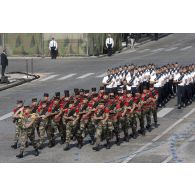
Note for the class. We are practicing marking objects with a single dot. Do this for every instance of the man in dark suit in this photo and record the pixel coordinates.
(4, 62)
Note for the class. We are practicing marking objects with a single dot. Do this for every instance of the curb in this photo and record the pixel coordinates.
(20, 82)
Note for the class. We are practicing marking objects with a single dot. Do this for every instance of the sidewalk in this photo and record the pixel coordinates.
(17, 78)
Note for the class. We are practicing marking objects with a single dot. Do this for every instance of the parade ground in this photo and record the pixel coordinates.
(173, 141)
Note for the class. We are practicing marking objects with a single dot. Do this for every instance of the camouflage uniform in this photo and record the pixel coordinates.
(71, 126)
(17, 129)
(27, 133)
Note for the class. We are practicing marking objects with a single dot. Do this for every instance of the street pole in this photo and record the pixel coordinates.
(3, 40)
(27, 67)
(32, 64)
(42, 45)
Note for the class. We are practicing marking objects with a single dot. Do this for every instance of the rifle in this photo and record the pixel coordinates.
(100, 113)
(95, 104)
(146, 97)
(71, 113)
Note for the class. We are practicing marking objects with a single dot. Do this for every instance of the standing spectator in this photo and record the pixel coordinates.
(53, 47)
(4, 62)
(132, 39)
(109, 44)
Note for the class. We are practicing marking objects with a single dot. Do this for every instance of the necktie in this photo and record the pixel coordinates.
(109, 40)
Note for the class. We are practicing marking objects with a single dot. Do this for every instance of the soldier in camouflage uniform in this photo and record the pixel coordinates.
(53, 110)
(130, 112)
(139, 112)
(70, 118)
(43, 122)
(147, 108)
(101, 117)
(27, 131)
(17, 112)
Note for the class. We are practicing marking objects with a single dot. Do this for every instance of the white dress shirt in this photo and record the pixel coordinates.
(53, 43)
(109, 41)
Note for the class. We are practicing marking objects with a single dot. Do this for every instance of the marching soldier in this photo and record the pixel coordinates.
(100, 116)
(43, 122)
(17, 113)
(27, 131)
(71, 119)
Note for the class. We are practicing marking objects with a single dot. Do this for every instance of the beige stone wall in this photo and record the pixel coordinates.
(69, 44)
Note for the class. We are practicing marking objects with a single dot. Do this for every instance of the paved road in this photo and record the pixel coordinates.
(173, 141)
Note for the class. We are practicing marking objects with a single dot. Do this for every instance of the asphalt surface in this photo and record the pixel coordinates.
(173, 141)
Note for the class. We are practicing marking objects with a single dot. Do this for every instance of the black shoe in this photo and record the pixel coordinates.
(62, 141)
(66, 147)
(80, 144)
(148, 127)
(179, 106)
(118, 142)
(20, 155)
(50, 144)
(134, 135)
(40, 147)
(142, 132)
(126, 139)
(36, 153)
(96, 148)
(27, 144)
(108, 145)
(155, 125)
(14, 146)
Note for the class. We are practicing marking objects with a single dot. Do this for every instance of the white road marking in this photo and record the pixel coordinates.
(49, 77)
(85, 75)
(6, 116)
(157, 50)
(66, 77)
(163, 112)
(101, 75)
(185, 48)
(171, 49)
(131, 156)
(142, 51)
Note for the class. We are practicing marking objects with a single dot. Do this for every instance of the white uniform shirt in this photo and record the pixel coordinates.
(183, 81)
(109, 41)
(112, 84)
(53, 43)
(160, 82)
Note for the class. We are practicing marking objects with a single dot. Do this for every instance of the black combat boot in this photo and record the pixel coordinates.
(118, 140)
(92, 141)
(50, 145)
(20, 155)
(108, 144)
(126, 138)
(66, 147)
(14, 146)
(40, 147)
(80, 143)
(148, 127)
(96, 148)
(36, 153)
(53, 142)
(156, 125)
(142, 132)
(134, 135)
(62, 141)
